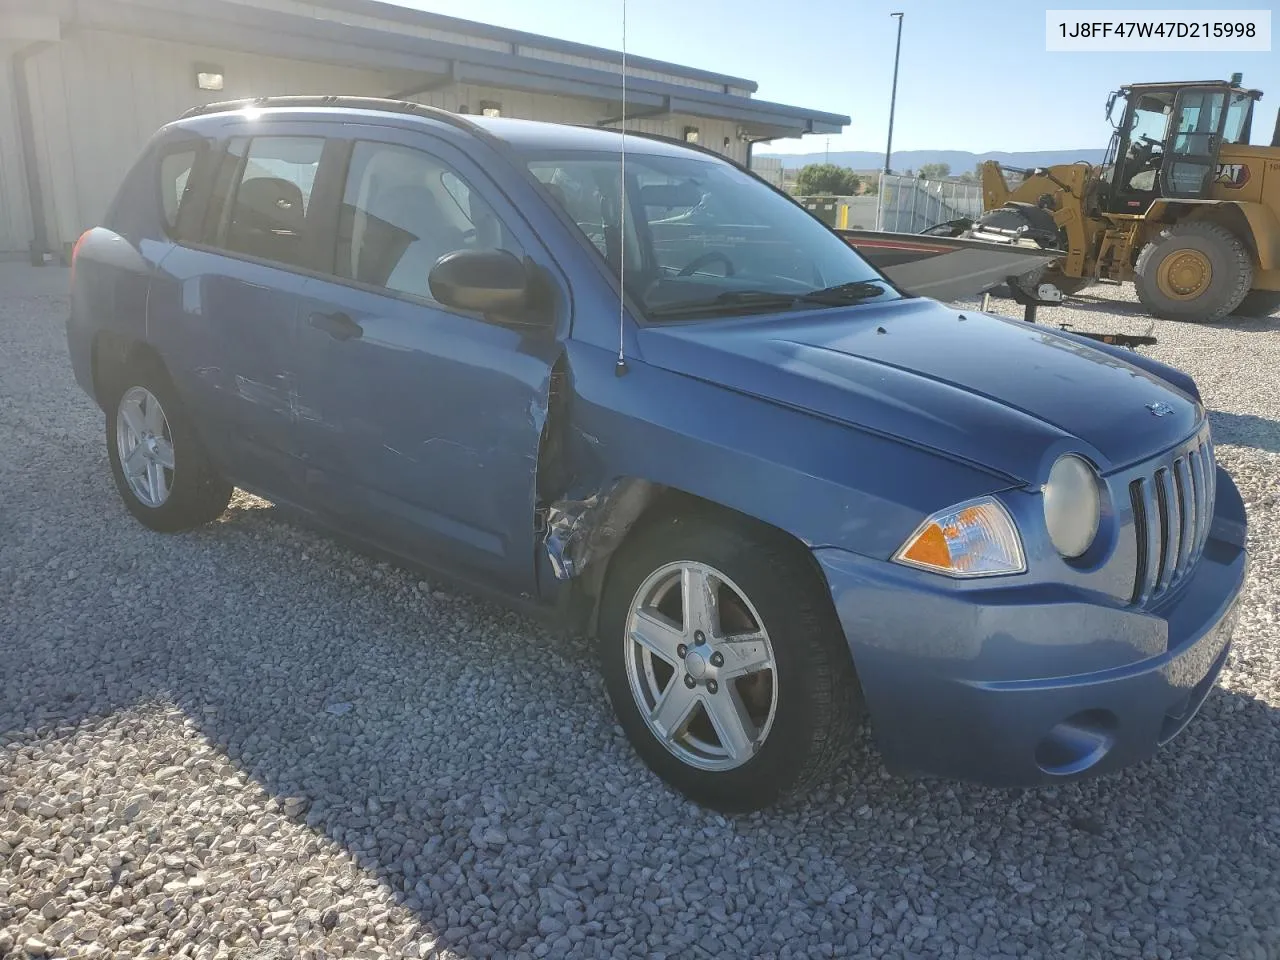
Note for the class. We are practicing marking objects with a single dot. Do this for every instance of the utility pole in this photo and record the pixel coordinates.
(893, 98)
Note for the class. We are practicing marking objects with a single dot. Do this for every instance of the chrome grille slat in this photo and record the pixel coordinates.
(1167, 512)
(1147, 528)
(1172, 503)
(1186, 512)
(1207, 493)
(1196, 461)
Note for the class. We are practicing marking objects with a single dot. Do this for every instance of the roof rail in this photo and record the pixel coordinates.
(352, 103)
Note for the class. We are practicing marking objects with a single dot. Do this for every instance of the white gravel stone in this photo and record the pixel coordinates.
(171, 777)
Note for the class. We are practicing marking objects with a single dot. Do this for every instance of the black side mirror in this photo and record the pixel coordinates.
(487, 281)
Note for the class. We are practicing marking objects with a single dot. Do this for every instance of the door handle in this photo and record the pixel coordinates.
(338, 325)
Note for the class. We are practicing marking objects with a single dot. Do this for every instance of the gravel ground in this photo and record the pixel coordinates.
(249, 742)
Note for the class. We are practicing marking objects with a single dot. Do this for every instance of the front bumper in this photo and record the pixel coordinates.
(1026, 684)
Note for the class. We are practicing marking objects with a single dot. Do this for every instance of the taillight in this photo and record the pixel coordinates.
(75, 252)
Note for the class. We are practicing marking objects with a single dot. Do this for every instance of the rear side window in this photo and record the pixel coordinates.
(262, 196)
(176, 182)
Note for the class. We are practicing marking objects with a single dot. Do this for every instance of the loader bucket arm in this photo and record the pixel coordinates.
(995, 188)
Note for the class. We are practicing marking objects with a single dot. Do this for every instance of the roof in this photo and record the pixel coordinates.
(376, 44)
(537, 135)
(524, 136)
(1174, 85)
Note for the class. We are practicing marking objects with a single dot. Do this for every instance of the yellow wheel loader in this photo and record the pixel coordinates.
(1182, 205)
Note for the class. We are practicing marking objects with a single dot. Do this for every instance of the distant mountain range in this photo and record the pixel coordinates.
(959, 160)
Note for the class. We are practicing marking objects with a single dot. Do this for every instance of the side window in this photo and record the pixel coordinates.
(176, 168)
(261, 195)
(224, 181)
(402, 210)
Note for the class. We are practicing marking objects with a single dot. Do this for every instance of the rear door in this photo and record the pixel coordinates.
(422, 423)
(1199, 114)
(225, 309)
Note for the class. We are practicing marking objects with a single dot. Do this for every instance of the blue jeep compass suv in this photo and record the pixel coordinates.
(624, 383)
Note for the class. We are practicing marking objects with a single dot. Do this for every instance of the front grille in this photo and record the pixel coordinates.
(1172, 511)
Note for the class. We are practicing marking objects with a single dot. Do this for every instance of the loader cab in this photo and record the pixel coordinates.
(1167, 139)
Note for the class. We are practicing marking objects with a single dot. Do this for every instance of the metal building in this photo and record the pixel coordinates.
(84, 83)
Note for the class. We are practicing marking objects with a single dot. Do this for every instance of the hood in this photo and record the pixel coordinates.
(998, 393)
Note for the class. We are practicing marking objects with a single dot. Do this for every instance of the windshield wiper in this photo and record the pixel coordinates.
(852, 292)
(735, 300)
(727, 302)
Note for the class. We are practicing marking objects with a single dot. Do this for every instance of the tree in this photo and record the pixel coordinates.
(935, 171)
(826, 179)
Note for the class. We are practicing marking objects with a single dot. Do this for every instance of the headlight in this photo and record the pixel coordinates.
(973, 539)
(1072, 506)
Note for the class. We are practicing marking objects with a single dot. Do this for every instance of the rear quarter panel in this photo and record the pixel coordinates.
(113, 266)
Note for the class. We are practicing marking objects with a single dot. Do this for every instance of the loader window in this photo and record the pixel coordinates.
(1150, 120)
(1239, 115)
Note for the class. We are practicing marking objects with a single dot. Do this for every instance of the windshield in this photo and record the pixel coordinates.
(704, 238)
(1150, 120)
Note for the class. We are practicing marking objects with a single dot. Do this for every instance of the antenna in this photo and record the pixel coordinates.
(620, 367)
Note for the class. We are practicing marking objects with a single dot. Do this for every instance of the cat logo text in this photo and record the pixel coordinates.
(1234, 175)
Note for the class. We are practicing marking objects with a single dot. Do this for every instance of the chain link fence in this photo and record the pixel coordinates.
(910, 204)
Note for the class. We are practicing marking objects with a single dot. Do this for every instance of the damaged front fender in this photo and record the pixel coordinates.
(584, 531)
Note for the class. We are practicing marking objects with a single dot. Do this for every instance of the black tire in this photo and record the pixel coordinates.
(1259, 303)
(819, 702)
(1229, 260)
(197, 494)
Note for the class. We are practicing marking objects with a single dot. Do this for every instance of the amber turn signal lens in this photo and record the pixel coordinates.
(975, 539)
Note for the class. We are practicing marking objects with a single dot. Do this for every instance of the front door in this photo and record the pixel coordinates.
(421, 425)
(1195, 137)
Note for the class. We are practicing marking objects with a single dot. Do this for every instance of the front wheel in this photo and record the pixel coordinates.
(1196, 271)
(725, 663)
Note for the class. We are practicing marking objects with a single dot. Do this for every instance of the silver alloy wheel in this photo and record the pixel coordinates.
(145, 446)
(700, 666)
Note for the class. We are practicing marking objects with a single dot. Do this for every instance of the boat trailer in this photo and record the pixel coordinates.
(1046, 294)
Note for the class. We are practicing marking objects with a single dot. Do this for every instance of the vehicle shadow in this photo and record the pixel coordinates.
(1245, 430)
(488, 799)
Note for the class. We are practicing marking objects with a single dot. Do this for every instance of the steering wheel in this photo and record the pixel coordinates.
(707, 258)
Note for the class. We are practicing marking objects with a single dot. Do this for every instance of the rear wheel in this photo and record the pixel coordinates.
(1196, 271)
(157, 461)
(725, 663)
(1259, 303)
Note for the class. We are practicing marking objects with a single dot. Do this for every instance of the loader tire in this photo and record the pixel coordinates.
(1259, 303)
(1195, 271)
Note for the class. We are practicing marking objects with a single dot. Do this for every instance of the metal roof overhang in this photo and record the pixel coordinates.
(396, 13)
(272, 33)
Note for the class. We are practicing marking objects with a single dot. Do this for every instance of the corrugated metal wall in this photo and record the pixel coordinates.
(15, 222)
(100, 95)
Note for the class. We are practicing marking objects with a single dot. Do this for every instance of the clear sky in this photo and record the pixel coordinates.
(974, 74)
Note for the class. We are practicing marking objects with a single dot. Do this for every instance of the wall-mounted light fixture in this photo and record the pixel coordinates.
(208, 77)
(490, 108)
(690, 134)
